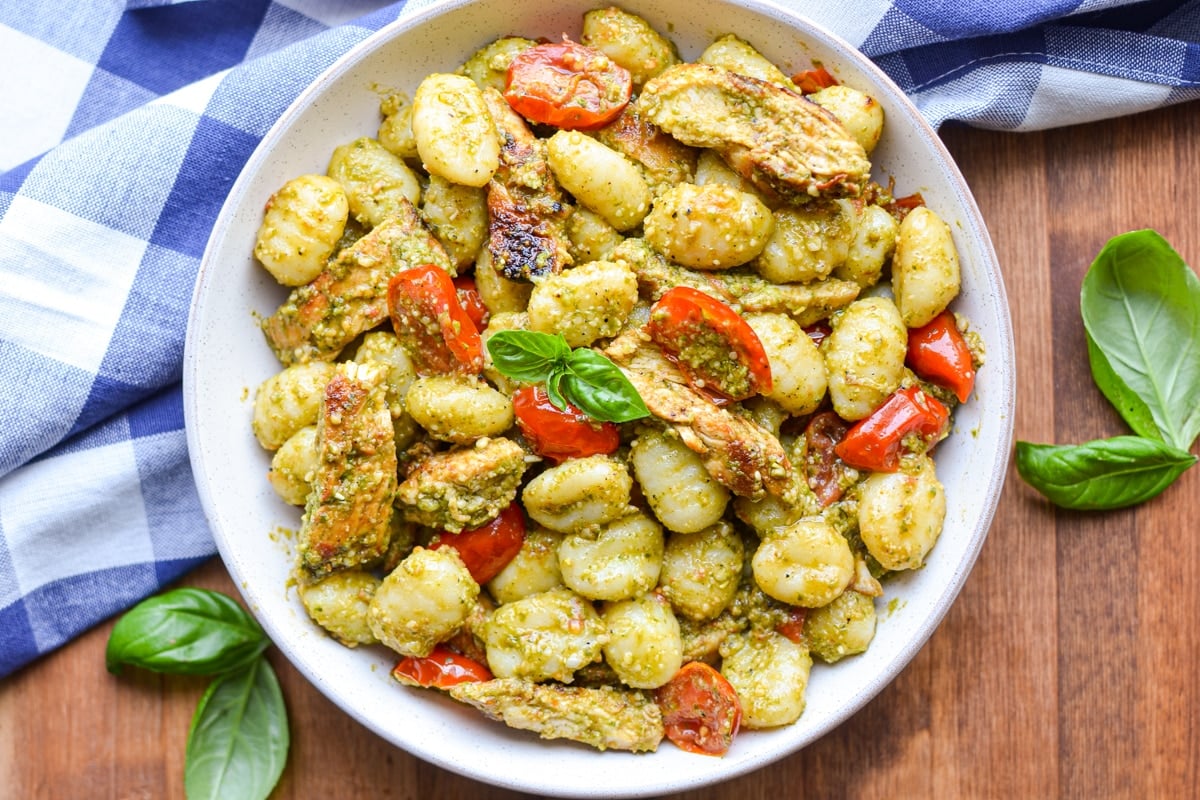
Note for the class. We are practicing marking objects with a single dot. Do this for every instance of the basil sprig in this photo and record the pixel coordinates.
(238, 740)
(1140, 305)
(580, 376)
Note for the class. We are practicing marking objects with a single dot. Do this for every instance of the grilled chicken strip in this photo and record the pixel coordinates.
(604, 717)
(771, 136)
(347, 518)
(527, 213)
(746, 292)
(350, 296)
(736, 451)
(461, 489)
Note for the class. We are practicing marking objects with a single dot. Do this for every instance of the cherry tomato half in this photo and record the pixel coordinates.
(701, 711)
(874, 443)
(823, 434)
(487, 549)
(472, 303)
(431, 323)
(559, 434)
(441, 669)
(567, 85)
(939, 354)
(716, 349)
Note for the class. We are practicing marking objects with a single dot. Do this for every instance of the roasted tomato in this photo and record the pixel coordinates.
(472, 303)
(432, 324)
(875, 443)
(441, 669)
(701, 711)
(939, 354)
(559, 434)
(717, 350)
(487, 549)
(823, 434)
(567, 85)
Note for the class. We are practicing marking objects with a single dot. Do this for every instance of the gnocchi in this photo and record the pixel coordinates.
(600, 178)
(619, 561)
(677, 486)
(645, 647)
(864, 356)
(925, 271)
(376, 180)
(588, 303)
(581, 492)
(301, 226)
(713, 226)
(901, 513)
(454, 133)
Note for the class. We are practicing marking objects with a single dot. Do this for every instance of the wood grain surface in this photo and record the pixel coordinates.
(1067, 667)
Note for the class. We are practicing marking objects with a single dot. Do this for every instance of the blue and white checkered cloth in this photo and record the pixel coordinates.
(123, 126)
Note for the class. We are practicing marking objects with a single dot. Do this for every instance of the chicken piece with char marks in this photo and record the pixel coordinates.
(347, 520)
(771, 136)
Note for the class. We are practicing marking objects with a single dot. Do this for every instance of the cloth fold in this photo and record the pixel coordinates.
(123, 126)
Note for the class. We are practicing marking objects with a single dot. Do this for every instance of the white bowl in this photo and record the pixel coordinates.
(226, 358)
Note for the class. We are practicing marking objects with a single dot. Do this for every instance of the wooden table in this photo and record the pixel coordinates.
(1067, 668)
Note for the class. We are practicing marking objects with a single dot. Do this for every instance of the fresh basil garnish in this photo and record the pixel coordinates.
(1103, 474)
(1141, 307)
(528, 356)
(580, 376)
(598, 386)
(238, 742)
(185, 632)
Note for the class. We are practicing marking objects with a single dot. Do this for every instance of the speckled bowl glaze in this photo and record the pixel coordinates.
(226, 359)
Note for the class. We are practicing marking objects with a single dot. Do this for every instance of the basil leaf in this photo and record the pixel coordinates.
(1127, 403)
(527, 355)
(185, 632)
(1102, 474)
(554, 390)
(1141, 307)
(598, 386)
(238, 742)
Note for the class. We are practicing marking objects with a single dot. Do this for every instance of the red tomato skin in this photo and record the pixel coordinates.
(486, 550)
(431, 323)
(441, 669)
(472, 303)
(793, 626)
(681, 319)
(939, 354)
(823, 434)
(874, 443)
(700, 709)
(558, 435)
(568, 85)
(813, 80)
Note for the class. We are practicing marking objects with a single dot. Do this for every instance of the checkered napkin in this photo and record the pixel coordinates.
(123, 126)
